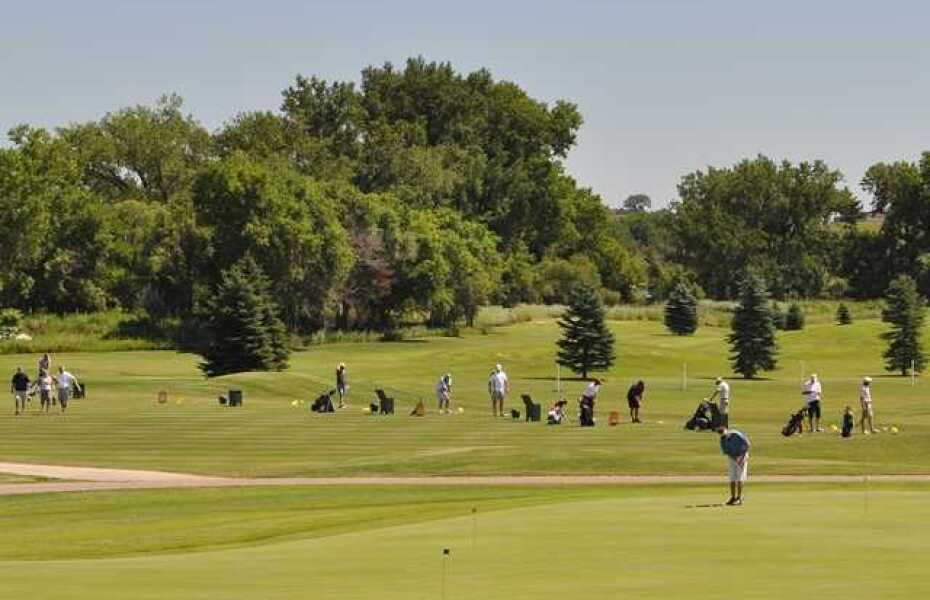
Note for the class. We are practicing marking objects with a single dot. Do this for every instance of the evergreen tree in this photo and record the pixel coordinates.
(904, 310)
(794, 318)
(586, 343)
(843, 316)
(753, 338)
(245, 330)
(681, 311)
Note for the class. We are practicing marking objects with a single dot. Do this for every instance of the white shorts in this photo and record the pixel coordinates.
(739, 470)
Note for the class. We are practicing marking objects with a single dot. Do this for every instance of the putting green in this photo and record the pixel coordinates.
(844, 541)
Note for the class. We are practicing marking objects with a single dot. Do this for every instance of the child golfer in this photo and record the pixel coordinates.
(735, 445)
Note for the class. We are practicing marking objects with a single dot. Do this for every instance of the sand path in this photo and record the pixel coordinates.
(83, 479)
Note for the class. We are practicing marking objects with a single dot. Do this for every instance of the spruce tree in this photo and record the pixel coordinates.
(843, 316)
(681, 311)
(586, 344)
(794, 318)
(245, 331)
(904, 311)
(753, 338)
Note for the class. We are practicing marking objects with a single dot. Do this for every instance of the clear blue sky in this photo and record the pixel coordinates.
(665, 87)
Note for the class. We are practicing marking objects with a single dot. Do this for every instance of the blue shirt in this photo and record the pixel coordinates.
(734, 443)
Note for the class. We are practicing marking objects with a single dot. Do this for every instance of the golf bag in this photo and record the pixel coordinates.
(706, 417)
(324, 403)
(848, 424)
(795, 424)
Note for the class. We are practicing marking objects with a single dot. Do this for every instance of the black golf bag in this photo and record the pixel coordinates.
(848, 424)
(795, 424)
(706, 417)
(324, 403)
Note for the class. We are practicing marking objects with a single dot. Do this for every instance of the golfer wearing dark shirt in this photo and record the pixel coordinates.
(19, 386)
(735, 445)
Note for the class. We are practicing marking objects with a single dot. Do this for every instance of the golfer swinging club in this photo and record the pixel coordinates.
(735, 445)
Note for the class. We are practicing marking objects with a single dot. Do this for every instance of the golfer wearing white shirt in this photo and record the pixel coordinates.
(65, 382)
(723, 391)
(813, 391)
(498, 387)
(865, 402)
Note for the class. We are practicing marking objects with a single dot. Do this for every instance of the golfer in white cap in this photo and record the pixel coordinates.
(498, 387)
(723, 391)
(865, 402)
(813, 392)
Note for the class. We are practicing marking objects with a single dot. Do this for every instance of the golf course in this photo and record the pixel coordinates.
(527, 526)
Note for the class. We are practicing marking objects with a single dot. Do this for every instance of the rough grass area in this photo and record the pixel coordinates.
(121, 425)
(827, 542)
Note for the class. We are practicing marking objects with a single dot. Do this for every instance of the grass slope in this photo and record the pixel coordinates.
(813, 541)
(120, 425)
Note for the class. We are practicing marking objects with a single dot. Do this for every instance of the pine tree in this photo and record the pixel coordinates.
(753, 337)
(794, 318)
(586, 344)
(245, 331)
(905, 310)
(843, 316)
(681, 311)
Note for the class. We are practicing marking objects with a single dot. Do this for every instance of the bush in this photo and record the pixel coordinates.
(779, 317)
(10, 319)
(843, 316)
(794, 318)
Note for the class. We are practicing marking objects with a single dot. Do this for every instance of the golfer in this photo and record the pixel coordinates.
(723, 391)
(44, 385)
(587, 400)
(498, 388)
(865, 402)
(342, 386)
(735, 445)
(19, 387)
(444, 393)
(634, 399)
(65, 382)
(813, 391)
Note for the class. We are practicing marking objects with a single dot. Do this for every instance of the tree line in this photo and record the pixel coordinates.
(418, 193)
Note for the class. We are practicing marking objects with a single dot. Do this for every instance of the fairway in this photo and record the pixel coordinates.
(121, 425)
(842, 541)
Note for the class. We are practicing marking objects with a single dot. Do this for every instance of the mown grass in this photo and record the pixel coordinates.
(829, 542)
(120, 424)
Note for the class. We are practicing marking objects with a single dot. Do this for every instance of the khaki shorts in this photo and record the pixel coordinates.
(21, 395)
(63, 397)
(497, 396)
(867, 408)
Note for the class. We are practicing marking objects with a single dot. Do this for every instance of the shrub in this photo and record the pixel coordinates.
(794, 318)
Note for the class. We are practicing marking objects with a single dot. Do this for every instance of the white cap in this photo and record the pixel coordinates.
(866, 379)
(719, 379)
(498, 367)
